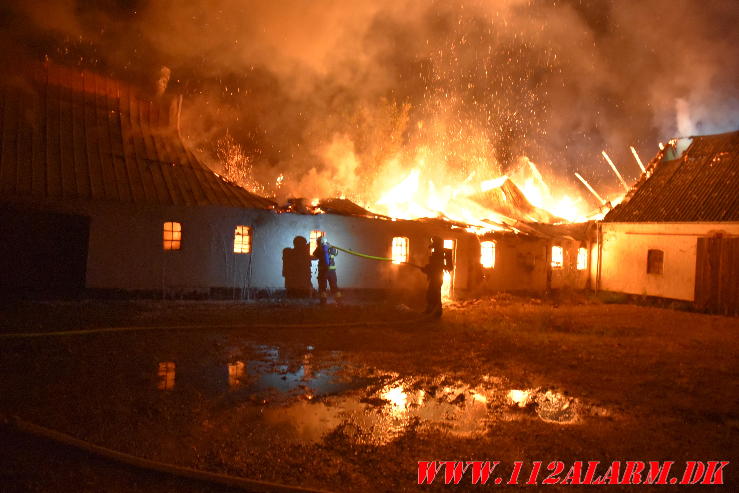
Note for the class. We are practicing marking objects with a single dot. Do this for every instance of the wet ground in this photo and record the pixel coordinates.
(354, 408)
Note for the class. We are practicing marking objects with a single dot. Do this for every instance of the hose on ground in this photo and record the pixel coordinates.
(151, 465)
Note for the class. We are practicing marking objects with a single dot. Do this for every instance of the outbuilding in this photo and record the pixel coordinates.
(676, 234)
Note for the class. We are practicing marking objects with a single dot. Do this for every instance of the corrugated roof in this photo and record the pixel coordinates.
(68, 133)
(702, 184)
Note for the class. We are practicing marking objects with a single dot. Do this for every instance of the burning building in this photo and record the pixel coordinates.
(99, 193)
(676, 233)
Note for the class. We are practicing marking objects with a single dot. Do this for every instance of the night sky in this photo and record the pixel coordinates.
(328, 93)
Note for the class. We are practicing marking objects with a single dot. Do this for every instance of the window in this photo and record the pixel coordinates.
(558, 257)
(314, 235)
(172, 239)
(582, 258)
(655, 261)
(166, 374)
(400, 250)
(487, 254)
(235, 373)
(242, 239)
(448, 280)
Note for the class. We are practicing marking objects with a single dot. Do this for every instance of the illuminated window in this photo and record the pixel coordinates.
(172, 238)
(242, 239)
(487, 254)
(400, 250)
(447, 280)
(582, 259)
(235, 373)
(655, 261)
(166, 374)
(314, 235)
(557, 257)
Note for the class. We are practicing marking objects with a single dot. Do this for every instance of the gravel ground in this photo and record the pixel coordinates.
(354, 408)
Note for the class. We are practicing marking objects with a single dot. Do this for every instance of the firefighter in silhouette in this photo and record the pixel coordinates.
(440, 260)
(325, 254)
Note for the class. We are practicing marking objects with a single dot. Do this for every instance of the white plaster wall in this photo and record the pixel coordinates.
(520, 264)
(125, 249)
(373, 237)
(624, 256)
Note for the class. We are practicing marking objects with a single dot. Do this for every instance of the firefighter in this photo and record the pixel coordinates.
(325, 254)
(440, 260)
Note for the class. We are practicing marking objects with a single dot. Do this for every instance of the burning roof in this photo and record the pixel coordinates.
(509, 201)
(74, 134)
(690, 180)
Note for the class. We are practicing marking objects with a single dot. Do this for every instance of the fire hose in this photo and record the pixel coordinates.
(152, 465)
(373, 257)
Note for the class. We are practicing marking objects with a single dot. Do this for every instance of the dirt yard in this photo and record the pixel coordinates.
(354, 408)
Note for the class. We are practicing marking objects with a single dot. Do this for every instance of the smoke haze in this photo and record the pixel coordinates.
(337, 96)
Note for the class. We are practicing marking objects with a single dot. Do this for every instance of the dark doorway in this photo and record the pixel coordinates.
(42, 254)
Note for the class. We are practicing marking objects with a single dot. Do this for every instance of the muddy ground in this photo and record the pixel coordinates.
(355, 408)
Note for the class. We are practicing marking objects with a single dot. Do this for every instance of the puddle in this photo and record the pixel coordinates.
(305, 396)
(377, 416)
(266, 376)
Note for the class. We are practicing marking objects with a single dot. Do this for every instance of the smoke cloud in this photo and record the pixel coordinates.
(342, 97)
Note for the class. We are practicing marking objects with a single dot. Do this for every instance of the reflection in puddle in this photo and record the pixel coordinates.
(555, 408)
(305, 399)
(235, 374)
(519, 397)
(166, 375)
(377, 417)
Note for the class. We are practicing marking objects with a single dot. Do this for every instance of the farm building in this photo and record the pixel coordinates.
(99, 193)
(676, 234)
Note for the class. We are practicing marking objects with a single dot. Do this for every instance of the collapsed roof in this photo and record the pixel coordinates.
(67, 133)
(509, 201)
(691, 180)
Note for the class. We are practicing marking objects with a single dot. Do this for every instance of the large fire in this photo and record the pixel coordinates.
(416, 195)
(421, 182)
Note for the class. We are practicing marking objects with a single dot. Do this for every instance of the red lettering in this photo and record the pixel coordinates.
(611, 475)
(556, 467)
(427, 471)
(715, 472)
(694, 470)
(481, 470)
(615, 467)
(574, 474)
(454, 471)
(658, 472)
(590, 473)
(632, 474)
(517, 466)
(533, 477)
